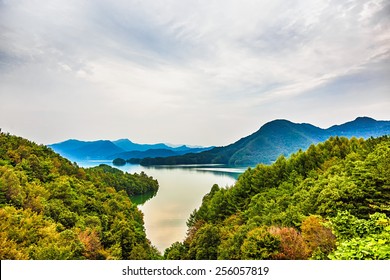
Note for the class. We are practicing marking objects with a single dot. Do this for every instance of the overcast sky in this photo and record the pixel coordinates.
(188, 72)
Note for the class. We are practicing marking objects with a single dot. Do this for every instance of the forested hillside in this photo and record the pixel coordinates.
(329, 202)
(52, 209)
(275, 138)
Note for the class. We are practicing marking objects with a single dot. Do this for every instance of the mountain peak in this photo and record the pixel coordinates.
(359, 121)
(278, 121)
(364, 119)
(123, 140)
(276, 124)
(281, 126)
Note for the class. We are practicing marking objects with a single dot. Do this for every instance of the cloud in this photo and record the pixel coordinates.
(175, 70)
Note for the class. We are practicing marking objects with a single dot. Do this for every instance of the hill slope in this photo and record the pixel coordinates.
(52, 209)
(331, 201)
(278, 137)
(363, 127)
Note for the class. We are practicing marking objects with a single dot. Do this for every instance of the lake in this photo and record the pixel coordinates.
(182, 188)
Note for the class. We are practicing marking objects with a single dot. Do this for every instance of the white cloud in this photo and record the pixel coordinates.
(185, 72)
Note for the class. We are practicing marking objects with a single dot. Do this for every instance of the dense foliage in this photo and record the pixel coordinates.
(119, 162)
(329, 202)
(132, 184)
(52, 209)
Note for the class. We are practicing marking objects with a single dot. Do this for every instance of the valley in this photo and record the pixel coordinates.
(90, 210)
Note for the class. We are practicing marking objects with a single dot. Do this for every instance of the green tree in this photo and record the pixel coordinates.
(260, 244)
(177, 251)
(204, 245)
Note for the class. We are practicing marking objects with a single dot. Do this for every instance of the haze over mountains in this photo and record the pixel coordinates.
(122, 148)
(275, 138)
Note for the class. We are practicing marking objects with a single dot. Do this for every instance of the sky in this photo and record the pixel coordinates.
(200, 72)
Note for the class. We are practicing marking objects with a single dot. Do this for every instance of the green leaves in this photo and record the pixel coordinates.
(260, 244)
(361, 239)
(205, 243)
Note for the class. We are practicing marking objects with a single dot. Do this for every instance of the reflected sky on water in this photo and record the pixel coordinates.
(181, 190)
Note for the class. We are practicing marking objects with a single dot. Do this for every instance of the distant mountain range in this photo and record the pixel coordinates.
(122, 148)
(278, 137)
(275, 138)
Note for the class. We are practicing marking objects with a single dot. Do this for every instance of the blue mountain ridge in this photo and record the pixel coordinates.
(123, 148)
(275, 138)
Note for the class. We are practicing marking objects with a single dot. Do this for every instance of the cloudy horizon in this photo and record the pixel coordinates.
(189, 72)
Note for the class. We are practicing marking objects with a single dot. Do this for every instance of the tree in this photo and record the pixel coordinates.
(260, 244)
(177, 251)
(205, 244)
(319, 239)
(292, 244)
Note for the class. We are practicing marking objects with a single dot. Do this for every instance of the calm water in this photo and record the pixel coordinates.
(181, 191)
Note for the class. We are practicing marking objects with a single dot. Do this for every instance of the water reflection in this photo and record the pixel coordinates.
(181, 190)
(142, 198)
(233, 172)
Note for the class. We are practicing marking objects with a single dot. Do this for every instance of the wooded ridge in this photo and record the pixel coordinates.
(329, 202)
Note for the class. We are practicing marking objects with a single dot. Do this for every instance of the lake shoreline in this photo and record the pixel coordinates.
(181, 189)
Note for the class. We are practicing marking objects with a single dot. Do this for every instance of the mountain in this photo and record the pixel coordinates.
(134, 150)
(363, 126)
(75, 149)
(278, 137)
(152, 153)
(147, 153)
(122, 148)
(127, 145)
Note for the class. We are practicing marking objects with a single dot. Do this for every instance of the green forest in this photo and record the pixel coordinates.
(52, 209)
(331, 201)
